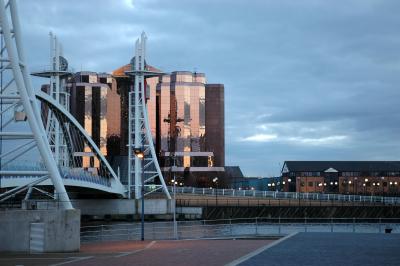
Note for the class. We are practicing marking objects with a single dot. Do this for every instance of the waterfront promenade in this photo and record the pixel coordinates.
(308, 249)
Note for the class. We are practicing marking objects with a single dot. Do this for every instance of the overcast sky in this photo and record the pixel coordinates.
(304, 80)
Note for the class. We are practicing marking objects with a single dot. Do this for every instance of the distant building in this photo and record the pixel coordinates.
(186, 117)
(257, 183)
(344, 177)
(95, 103)
(215, 122)
(190, 121)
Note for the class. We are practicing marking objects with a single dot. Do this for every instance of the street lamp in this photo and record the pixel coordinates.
(215, 180)
(355, 185)
(175, 224)
(139, 152)
(289, 185)
(348, 187)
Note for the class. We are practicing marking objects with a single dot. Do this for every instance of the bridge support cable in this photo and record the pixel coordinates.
(11, 193)
(11, 33)
(85, 160)
(57, 74)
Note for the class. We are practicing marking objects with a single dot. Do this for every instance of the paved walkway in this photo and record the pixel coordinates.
(308, 249)
(184, 252)
(316, 249)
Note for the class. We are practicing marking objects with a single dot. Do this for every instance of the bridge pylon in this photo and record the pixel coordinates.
(146, 170)
(23, 99)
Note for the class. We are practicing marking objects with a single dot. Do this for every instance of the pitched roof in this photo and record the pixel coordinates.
(233, 171)
(342, 166)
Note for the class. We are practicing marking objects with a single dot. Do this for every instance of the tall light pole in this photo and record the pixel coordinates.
(172, 139)
(215, 180)
(139, 152)
(175, 183)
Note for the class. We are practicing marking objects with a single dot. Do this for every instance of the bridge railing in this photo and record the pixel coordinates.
(284, 195)
(246, 227)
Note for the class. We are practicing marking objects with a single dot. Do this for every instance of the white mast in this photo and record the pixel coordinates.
(138, 128)
(17, 62)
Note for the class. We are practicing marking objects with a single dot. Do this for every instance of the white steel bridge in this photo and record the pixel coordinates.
(43, 146)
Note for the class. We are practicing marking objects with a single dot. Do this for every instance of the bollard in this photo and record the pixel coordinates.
(256, 226)
(305, 224)
(279, 225)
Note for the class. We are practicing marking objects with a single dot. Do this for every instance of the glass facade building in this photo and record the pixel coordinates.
(95, 104)
(182, 119)
(215, 122)
(177, 108)
(186, 117)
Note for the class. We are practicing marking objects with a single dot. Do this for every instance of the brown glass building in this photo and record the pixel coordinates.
(215, 122)
(178, 116)
(95, 103)
(186, 117)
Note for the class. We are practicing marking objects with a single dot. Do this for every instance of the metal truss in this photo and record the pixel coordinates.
(146, 169)
(77, 140)
(22, 99)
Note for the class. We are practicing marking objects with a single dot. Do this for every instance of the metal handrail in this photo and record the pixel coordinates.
(285, 195)
(228, 227)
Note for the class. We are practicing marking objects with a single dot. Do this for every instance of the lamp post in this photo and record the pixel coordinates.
(355, 185)
(215, 180)
(175, 224)
(139, 152)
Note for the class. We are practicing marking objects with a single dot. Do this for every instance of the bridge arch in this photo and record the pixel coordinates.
(75, 134)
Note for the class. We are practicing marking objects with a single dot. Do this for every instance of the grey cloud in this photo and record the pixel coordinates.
(288, 65)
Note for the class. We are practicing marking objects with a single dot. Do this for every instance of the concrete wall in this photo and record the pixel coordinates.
(61, 233)
(123, 206)
(189, 212)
